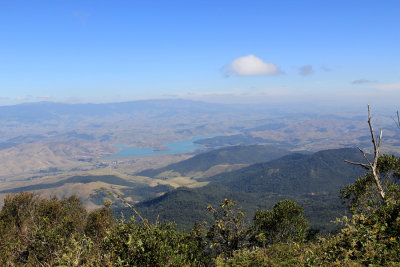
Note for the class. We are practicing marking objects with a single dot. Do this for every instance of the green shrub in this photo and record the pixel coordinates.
(35, 230)
(133, 244)
(284, 223)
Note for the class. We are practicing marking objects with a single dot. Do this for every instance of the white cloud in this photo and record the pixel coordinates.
(388, 87)
(362, 81)
(240, 95)
(81, 17)
(326, 68)
(44, 97)
(251, 66)
(306, 70)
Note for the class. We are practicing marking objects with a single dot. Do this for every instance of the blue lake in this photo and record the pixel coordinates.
(184, 146)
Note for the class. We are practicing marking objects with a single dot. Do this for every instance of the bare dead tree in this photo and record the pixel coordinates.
(126, 203)
(373, 165)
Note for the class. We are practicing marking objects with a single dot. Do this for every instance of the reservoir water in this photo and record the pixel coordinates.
(184, 146)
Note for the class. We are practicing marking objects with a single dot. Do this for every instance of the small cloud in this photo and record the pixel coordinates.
(362, 81)
(306, 70)
(388, 87)
(250, 66)
(21, 98)
(81, 17)
(238, 93)
(326, 69)
(3, 98)
(44, 97)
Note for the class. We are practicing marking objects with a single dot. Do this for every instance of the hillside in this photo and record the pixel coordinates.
(296, 174)
(312, 180)
(136, 187)
(186, 206)
(227, 155)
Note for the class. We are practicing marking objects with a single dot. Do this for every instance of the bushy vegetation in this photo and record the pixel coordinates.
(36, 231)
(284, 223)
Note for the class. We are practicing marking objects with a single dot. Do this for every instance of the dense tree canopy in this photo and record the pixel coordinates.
(284, 223)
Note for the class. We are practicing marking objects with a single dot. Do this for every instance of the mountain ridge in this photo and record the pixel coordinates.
(227, 155)
(185, 206)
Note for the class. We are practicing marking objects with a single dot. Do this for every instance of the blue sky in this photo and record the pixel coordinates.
(228, 51)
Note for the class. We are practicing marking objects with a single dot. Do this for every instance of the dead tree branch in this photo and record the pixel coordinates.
(376, 142)
(144, 221)
(365, 166)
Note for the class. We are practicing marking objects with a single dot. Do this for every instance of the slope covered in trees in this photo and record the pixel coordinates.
(227, 155)
(313, 181)
(296, 174)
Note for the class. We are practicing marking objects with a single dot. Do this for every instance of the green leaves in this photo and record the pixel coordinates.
(362, 196)
(156, 244)
(284, 223)
(228, 232)
(36, 230)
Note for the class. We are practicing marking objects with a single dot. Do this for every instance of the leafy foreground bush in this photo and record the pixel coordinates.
(130, 244)
(372, 240)
(35, 232)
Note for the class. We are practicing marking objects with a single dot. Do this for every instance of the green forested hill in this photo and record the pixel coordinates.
(313, 181)
(227, 155)
(296, 174)
(186, 206)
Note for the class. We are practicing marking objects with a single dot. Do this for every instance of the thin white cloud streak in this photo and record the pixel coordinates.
(238, 95)
(250, 65)
(362, 81)
(388, 87)
(44, 97)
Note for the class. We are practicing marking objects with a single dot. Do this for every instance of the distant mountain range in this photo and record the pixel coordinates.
(44, 111)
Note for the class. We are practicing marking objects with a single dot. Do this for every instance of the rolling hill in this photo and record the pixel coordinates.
(296, 174)
(311, 180)
(227, 155)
